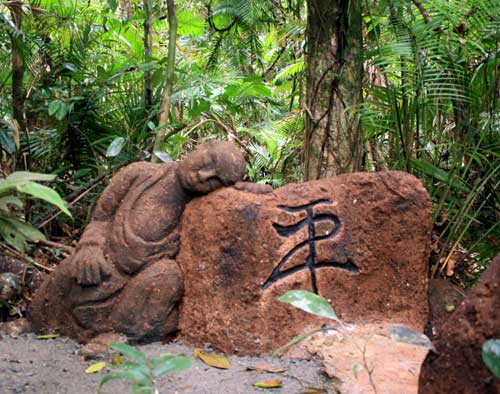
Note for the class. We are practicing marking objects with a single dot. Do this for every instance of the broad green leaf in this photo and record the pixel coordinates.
(154, 362)
(491, 356)
(133, 375)
(174, 364)
(10, 200)
(111, 5)
(142, 388)
(115, 147)
(11, 235)
(43, 193)
(309, 302)
(58, 108)
(99, 366)
(20, 176)
(6, 186)
(26, 229)
(128, 351)
(133, 366)
(54, 107)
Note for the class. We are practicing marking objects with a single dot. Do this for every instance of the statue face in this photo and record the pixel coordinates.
(212, 165)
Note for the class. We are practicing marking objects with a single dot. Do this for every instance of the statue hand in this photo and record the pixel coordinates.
(255, 188)
(90, 266)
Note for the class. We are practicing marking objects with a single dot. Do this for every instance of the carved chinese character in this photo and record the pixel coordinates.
(311, 263)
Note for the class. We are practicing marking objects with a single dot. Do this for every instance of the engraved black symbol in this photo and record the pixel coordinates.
(311, 262)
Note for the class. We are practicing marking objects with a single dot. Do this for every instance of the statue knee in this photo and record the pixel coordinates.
(148, 306)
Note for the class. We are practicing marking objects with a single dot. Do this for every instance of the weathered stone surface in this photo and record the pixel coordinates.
(360, 240)
(122, 277)
(394, 366)
(458, 366)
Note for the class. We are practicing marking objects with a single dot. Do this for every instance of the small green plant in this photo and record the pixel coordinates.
(317, 305)
(310, 303)
(141, 371)
(13, 229)
(491, 356)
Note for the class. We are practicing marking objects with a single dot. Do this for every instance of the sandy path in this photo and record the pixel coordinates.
(29, 365)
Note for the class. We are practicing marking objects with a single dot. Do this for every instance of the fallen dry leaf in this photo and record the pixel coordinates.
(313, 390)
(270, 384)
(265, 367)
(96, 367)
(47, 336)
(214, 360)
(117, 359)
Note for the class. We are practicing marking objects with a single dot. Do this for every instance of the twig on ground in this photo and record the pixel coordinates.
(57, 245)
(25, 258)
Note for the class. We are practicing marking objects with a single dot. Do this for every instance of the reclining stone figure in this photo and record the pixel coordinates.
(123, 277)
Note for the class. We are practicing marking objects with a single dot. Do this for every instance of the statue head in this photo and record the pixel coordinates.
(212, 165)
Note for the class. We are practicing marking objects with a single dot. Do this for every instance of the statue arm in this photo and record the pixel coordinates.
(96, 231)
(90, 265)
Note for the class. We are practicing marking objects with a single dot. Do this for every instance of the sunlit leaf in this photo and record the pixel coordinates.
(115, 147)
(309, 302)
(44, 193)
(270, 384)
(214, 360)
(99, 366)
(29, 176)
(163, 156)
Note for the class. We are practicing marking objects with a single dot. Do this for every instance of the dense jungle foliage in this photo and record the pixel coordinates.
(82, 85)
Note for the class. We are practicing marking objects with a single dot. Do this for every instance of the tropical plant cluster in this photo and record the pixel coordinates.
(82, 84)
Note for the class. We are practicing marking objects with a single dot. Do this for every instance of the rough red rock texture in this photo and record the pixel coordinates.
(359, 240)
(122, 277)
(458, 366)
(394, 365)
(444, 299)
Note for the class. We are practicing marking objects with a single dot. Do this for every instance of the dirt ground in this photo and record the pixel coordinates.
(29, 365)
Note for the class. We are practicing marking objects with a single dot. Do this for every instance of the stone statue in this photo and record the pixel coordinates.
(123, 277)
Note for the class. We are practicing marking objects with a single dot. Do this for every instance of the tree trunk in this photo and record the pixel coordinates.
(18, 96)
(169, 82)
(148, 52)
(334, 140)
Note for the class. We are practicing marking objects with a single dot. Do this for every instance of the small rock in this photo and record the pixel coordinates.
(15, 328)
(99, 346)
